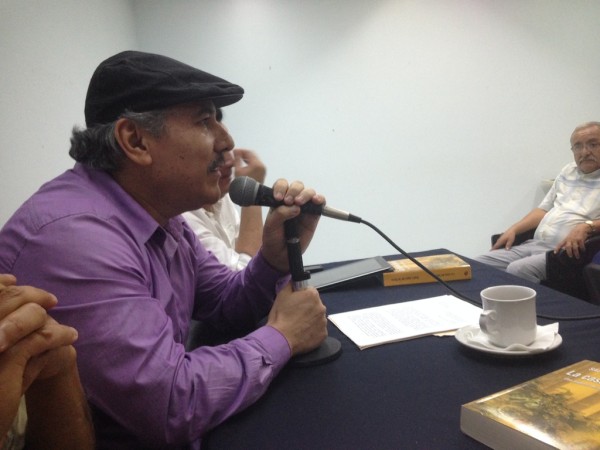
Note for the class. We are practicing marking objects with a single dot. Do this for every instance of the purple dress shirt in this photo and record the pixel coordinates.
(130, 287)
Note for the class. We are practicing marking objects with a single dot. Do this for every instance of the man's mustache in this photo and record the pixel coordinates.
(216, 163)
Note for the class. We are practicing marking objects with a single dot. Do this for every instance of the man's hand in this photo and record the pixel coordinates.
(31, 342)
(294, 195)
(22, 310)
(300, 317)
(247, 164)
(574, 243)
(506, 240)
(32, 345)
(529, 222)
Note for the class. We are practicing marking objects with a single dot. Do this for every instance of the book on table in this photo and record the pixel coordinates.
(559, 410)
(448, 267)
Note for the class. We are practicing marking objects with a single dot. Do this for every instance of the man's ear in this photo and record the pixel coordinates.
(133, 141)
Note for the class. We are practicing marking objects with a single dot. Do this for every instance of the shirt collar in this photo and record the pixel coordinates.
(139, 221)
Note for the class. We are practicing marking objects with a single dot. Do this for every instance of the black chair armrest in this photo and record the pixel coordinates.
(592, 246)
(591, 273)
(519, 238)
(567, 274)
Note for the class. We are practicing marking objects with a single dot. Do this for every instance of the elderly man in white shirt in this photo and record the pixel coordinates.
(565, 218)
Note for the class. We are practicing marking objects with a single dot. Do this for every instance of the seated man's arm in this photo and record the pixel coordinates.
(574, 242)
(36, 358)
(57, 410)
(132, 311)
(529, 222)
(251, 226)
(249, 239)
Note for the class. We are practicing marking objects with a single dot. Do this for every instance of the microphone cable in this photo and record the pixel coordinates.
(245, 191)
(454, 291)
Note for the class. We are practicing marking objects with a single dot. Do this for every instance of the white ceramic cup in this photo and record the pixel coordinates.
(508, 315)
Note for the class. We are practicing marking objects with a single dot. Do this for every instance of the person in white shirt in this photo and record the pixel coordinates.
(234, 238)
(565, 218)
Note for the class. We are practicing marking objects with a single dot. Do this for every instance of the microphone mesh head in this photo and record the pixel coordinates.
(243, 191)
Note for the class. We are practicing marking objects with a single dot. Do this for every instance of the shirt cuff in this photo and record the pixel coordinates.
(260, 264)
(275, 344)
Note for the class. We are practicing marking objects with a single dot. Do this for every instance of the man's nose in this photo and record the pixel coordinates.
(585, 151)
(228, 158)
(224, 141)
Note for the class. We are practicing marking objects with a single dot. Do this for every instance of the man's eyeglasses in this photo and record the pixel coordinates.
(590, 145)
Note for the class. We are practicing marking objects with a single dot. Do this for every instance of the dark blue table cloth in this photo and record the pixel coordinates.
(404, 395)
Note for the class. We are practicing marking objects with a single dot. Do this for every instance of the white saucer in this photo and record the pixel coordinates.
(462, 336)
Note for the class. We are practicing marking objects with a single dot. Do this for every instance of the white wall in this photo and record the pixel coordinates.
(436, 120)
(48, 51)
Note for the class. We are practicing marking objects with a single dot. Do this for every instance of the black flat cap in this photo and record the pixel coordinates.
(140, 82)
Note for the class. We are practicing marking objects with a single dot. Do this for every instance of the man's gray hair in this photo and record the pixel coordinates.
(97, 146)
(583, 126)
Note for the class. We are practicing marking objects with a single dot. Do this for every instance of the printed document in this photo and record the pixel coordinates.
(401, 321)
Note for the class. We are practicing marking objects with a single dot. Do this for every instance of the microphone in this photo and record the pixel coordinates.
(245, 191)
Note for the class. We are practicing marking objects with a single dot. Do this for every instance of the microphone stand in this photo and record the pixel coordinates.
(330, 348)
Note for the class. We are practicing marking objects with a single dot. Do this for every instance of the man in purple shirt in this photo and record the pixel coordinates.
(107, 239)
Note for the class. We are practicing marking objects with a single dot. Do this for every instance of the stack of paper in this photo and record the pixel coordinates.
(391, 323)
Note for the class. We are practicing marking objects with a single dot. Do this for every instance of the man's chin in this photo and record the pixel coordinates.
(224, 184)
(224, 188)
(218, 194)
(588, 167)
(212, 194)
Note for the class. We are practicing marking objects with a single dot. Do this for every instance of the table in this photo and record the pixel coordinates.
(404, 395)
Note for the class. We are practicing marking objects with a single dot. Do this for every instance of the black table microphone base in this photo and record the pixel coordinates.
(329, 350)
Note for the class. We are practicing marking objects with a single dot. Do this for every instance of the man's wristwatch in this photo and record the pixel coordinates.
(590, 223)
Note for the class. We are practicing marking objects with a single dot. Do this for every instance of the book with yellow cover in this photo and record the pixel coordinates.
(448, 267)
(557, 410)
